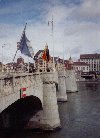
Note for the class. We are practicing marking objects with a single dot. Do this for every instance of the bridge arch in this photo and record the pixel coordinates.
(20, 112)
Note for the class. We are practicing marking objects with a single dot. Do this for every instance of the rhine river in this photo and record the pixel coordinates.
(80, 116)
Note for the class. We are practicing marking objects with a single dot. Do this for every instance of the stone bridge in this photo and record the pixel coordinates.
(30, 100)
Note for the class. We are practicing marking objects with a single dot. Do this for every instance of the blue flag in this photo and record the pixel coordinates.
(24, 46)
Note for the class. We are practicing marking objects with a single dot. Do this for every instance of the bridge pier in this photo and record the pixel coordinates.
(50, 119)
(71, 85)
(61, 93)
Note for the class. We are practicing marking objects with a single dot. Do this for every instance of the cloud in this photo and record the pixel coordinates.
(88, 10)
(76, 27)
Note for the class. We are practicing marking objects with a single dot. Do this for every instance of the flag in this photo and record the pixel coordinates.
(24, 45)
(46, 55)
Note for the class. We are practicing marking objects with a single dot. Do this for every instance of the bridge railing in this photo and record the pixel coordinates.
(10, 83)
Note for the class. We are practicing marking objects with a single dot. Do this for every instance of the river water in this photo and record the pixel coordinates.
(80, 116)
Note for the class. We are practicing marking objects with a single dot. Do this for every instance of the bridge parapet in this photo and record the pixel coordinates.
(49, 77)
(11, 84)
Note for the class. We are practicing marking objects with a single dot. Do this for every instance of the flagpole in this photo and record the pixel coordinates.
(17, 49)
(28, 64)
(63, 52)
(52, 35)
(15, 55)
(24, 42)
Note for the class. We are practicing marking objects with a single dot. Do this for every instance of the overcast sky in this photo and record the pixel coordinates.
(76, 26)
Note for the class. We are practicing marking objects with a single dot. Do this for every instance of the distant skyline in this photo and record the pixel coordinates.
(76, 26)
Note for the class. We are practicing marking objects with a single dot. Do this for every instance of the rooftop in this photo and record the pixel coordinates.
(80, 64)
(38, 53)
(90, 56)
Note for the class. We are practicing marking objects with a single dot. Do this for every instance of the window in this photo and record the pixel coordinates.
(83, 68)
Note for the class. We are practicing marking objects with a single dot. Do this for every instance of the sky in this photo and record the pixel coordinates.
(76, 26)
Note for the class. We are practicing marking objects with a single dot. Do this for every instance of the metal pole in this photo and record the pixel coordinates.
(14, 58)
(28, 64)
(53, 38)
(15, 55)
(63, 52)
(2, 60)
(52, 35)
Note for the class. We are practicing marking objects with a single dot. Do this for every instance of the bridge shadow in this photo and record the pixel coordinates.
(18, 114)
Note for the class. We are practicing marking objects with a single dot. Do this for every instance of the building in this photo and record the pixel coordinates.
(0, 66)
(38, 60)
(59, 63)
(43, 60)
(68, 64)
(10, 66)
(93, 60)
(81, 67)
(20, 60)
(42, 65)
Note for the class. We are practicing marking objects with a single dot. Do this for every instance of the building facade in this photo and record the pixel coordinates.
(68, 64)
(42, 65)
(93, 60)
(81, 67)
